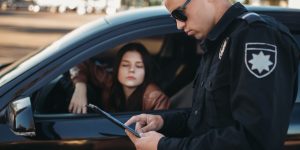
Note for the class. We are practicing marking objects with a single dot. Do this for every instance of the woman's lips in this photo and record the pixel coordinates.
(130, 78)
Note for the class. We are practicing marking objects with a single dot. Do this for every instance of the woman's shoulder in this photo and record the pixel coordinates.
(155, 98)
(152, 89)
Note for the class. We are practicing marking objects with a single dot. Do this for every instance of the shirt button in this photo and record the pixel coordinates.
(202, 83)
(196, 112)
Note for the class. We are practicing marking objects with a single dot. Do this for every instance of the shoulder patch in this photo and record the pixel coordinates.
(260, 58)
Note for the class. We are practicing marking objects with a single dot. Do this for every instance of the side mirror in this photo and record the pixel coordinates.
(19, 117)
(3, 116)
(2, 66)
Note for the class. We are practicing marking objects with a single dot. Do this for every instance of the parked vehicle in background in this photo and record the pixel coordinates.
(113, 6)
(2, 66)
(294, 3)
(96, 6)
(60, 6)
(16, 4)
(81, 7)
(34, 91)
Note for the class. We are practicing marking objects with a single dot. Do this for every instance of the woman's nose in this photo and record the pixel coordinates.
(131, 69)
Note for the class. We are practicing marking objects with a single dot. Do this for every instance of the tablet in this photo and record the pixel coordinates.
(112, 119)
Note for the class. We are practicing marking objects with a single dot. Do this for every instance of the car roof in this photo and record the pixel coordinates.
(86, 32)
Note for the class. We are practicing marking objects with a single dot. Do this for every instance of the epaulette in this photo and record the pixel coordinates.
(251, 17)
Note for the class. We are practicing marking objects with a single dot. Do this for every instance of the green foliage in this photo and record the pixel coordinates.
(242, 1)
(154, 2)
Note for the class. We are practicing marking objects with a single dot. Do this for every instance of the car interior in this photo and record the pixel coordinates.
(176, 55)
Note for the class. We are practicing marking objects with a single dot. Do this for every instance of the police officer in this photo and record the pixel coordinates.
(245, 86)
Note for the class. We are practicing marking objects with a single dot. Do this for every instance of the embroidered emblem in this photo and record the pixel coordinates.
(223, 47)
(260, 58)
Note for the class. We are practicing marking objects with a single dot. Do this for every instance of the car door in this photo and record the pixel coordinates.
(84, 126)
(92, 131)
(70, 131)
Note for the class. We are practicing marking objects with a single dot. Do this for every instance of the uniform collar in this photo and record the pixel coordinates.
(232, 13)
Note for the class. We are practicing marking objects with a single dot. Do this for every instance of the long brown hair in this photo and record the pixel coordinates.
(117, 96)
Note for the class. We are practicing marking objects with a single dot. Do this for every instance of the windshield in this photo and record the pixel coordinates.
(10, 72)
(63, 45)
(10, 66)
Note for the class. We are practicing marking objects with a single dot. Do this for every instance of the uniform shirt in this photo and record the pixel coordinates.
(244, 89)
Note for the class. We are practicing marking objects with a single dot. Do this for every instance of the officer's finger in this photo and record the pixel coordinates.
(133, 119)
(147, 134)
(139, 126)
(131, 136)
(148, 127)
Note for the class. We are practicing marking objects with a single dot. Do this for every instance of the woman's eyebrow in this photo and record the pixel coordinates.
(128, 61)
(124, 60)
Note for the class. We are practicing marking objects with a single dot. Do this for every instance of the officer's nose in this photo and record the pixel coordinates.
(180, 25)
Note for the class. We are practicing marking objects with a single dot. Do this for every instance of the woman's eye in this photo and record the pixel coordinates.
(124, 65)
(139, 66)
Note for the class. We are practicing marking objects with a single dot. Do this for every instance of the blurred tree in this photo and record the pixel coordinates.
(154, 2)
(247, 1)
(242, 1)
(274, 2)
(140, 3)
(270, 2)
(126, 3)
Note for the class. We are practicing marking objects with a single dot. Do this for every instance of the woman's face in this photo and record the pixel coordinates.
(131, 70)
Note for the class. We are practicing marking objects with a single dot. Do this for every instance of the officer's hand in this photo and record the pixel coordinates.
(79, 99)
(148, 140)
(146, 122)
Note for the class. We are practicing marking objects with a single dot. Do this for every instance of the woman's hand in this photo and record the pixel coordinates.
(79, 99)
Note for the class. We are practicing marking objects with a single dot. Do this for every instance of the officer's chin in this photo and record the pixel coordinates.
(198, 37)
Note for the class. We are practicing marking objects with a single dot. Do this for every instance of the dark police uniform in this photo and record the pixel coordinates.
(244, 89)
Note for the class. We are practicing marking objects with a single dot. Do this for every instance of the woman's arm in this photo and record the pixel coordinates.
(81, 75)
(155, 99)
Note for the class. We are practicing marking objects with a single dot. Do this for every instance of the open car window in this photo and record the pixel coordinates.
(176, 56)
(297, 37)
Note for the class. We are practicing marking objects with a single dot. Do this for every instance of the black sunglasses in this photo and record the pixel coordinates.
(178, 13)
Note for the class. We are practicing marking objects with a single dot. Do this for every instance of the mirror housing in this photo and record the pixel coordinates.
(3, 116)
(19, 117)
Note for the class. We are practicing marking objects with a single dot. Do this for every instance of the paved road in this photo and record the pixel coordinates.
(24, 32)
